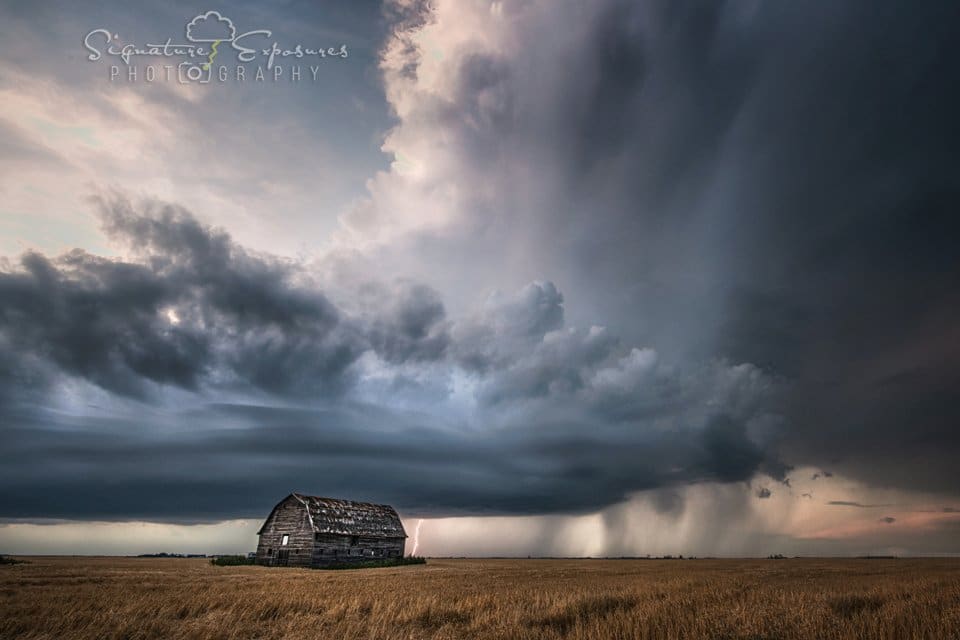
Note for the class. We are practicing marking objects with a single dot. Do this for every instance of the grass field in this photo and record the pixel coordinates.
(756, 599)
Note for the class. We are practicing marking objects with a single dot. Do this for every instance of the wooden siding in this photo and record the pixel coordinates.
(288, 518)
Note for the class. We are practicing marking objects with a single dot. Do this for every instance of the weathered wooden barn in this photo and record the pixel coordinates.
(308, 531)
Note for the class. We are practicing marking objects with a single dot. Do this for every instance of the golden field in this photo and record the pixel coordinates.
(756, 599)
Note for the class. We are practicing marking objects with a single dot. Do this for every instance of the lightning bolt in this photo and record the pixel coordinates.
(213, 54)
(416, 537)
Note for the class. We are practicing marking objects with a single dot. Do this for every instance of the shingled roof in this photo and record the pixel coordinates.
(346, 517)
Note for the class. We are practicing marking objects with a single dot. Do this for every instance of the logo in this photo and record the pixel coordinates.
(213, 51)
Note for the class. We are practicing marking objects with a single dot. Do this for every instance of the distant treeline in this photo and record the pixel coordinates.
(164, 554)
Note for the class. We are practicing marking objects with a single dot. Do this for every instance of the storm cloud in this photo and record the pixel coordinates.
(194, 308)
(549, 417)
(768, 183)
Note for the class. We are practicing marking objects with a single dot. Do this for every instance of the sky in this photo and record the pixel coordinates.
(595, 278)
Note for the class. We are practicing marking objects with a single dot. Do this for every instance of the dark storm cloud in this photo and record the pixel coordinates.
(507, 325)
(97, 319)
(769, 182)
(843, 276)
(413, 327)
(191, 320)
(231, 461)
(841, 272)
(195, 309)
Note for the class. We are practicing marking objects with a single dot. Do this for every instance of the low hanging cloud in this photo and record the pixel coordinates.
(216, 377)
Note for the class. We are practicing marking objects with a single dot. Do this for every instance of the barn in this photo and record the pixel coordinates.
(309, 531)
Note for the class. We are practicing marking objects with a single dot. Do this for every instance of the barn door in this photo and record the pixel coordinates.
(283, 557)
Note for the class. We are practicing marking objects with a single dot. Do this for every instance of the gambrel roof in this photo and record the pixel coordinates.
(349, 518)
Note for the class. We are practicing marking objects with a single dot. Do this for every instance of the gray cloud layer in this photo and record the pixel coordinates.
(554, 419)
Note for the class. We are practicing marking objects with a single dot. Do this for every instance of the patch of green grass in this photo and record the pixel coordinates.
(373, 564)
(231, 561)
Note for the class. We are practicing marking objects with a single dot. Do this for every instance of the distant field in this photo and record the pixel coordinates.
(755, 599)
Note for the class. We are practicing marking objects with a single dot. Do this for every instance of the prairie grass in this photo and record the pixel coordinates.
(504, 599)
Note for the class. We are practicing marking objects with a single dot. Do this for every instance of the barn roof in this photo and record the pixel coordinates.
(346, 517)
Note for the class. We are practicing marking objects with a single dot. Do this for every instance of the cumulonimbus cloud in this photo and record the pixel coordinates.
(706, 180)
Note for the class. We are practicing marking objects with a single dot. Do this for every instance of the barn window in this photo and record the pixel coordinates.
(354, 540)
(285, 540)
